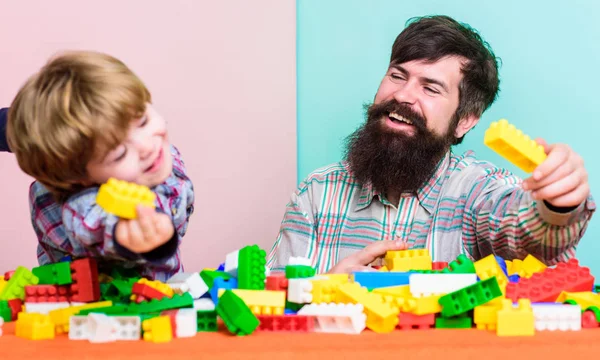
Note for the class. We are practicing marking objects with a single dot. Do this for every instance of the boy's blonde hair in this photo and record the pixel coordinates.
(78, 106)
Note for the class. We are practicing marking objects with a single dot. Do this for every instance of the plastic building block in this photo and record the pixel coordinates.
(99, 328)
(439, 265)
(85, 287)
(142, 292)
(16, 306)
(118, 290)
(399, 291)
(46, 293)
(407, 321)
(121, 198)
(1, 324)
(2, 283)
(557, 317)
(232, 263)
(60, 317)
(209, 276)
(407, 260)
(516, 321)
(502, 263)
(8, 275)
(455, 322)
(34, 327)
(530, 266)
(157, 285)
(262, 302)
(206, 320)
(15, 288)
(488, 267)
(590, 319)
(236, 315)
(514, 146)
(288, 323)
(439, 284)
(45, 307)
(372, 280)
(336, 318)
(158, 329)
(188, 282)
(299, 260)
(53, 274)
(462, 265)
(186, 323)
(299, 271)
(514, 278)
(381, 317)
(300, 291)
(468, 298)
(5, 311)
(204, 304)
(252, 267)
(583, 299)
(325, 290)
(177, 301)
(292, 306)
(549, 284)
(417, 306)
(486, 316)
(276, 282)
(222, 283)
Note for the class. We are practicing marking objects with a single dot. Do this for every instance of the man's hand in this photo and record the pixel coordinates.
(561, 179)
(150, 230)
(360, 260)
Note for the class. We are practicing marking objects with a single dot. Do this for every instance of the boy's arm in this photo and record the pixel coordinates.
(502, 218)
(3, 120)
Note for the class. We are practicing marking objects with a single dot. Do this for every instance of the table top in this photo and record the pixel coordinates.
(405, 344)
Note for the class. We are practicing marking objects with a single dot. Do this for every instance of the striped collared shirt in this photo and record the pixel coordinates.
(468, 206)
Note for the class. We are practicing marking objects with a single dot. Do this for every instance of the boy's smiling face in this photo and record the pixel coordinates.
(143, 158)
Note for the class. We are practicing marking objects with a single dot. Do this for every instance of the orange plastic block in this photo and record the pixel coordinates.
(518, 321)
(121, 198)
(514, 146)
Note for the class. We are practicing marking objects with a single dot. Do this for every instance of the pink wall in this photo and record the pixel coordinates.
(221, 72)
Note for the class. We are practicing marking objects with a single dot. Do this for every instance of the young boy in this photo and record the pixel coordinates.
(83, 118)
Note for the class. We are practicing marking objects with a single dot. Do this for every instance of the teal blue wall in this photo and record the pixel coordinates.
(550, 77)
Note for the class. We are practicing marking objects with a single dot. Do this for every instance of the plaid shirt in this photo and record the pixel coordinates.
(81, 228)
(468, 206)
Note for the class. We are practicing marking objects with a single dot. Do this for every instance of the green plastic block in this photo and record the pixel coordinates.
(468, 298)
(209, 276)
(115, 310)
(596, 288)
(462, 265)
(457, 322)
(595, 310)
(154, 305)
(207, 320)
(251, 268)
(54, 274)
(236, 315)
(118, 290)
(293, 306)
(15, 287)
(119, 273)
(5, 312)
(299, 271)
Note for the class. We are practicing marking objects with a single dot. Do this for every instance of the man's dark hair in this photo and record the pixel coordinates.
(431, 38)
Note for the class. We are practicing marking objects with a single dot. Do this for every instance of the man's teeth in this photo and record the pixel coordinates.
(400, 118)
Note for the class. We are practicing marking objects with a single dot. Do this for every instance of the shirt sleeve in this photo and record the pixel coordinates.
(503, 219)
(3, 120)
(297, 231)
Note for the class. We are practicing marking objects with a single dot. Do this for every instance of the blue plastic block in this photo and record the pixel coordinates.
(221, 283)
(376, 279)
(66, 258)
(221, 267)
(514, 278)
(502, 264)
(289, 312)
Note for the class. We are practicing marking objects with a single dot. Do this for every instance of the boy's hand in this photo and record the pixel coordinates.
(150, 230)
(359, 261)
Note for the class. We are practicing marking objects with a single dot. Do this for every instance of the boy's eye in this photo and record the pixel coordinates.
(143, 121)
(121, 156)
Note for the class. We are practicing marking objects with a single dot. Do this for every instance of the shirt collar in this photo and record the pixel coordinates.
(427, 194)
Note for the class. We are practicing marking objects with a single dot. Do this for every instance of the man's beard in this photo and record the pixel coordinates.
(391, 160)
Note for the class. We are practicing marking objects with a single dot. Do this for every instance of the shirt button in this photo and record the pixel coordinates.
(174, 211)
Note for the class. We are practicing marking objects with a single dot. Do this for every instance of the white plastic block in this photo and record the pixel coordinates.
(337, 318)
(188, 282)
(127, 327)
(187, 323)
(204, 305)
(44, 308)
(1, 324)
(299, 260)
(557, 316)
(439, 284)
(299, 291)
(78, 328)
(100, 328)
(231, 263)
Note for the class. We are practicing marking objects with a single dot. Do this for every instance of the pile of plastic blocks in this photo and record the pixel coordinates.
(409, 291)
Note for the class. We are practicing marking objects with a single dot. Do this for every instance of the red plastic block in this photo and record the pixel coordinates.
(293, 323)
(588, 320)
(16, 306)
(46, 293)
(145, 292)
(172, 314)
(85, 286)
(277, 283)
(439, 265)
(8, 274)
(547, 285)
(407, 321)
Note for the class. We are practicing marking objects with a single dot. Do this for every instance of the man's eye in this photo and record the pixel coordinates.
(432, 90)
(396, 76)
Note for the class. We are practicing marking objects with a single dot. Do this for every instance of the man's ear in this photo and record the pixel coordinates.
(465, 124)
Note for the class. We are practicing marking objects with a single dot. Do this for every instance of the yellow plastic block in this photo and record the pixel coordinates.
(381, 317)
(121, 198)
(418, 306)
(515, 268)
(158, 329)
(61, 317)
(583, 299)
(517, 321)
(2, 283)
(261, 302)
(488, 267)
(384, 269)
(324, 291)
(156, 285)
(514, 146)
(406, 260)
(34, 326)
(339, 278)
(399, 291)
(485, 316)
(530, 266)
